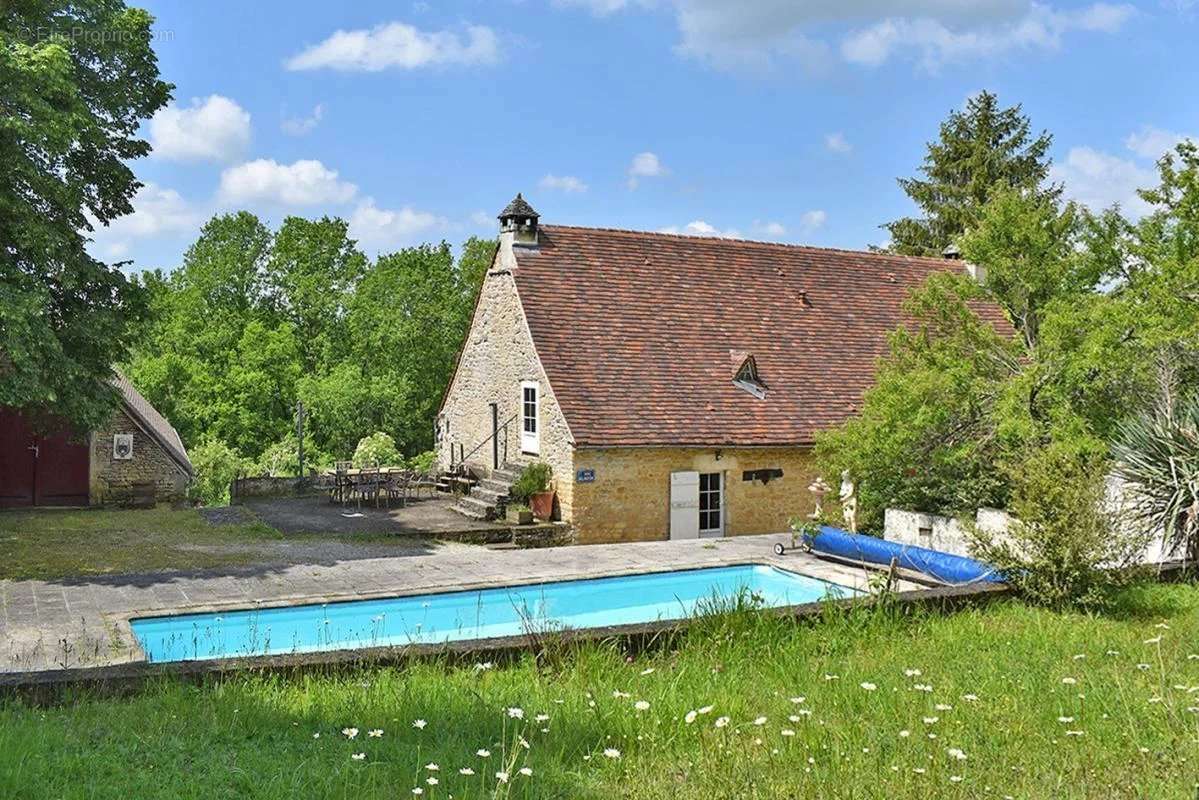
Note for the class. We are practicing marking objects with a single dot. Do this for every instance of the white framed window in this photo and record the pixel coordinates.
(530, 421)
(711, 504)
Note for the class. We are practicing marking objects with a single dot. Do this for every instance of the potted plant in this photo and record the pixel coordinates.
(533, 487)
(520, 514)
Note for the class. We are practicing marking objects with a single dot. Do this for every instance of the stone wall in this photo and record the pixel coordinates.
(498, 355)
(112, 480)
(629, 500)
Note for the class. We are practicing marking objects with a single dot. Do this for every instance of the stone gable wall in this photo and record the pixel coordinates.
(112, 480)
(498, 355)
(629, 500)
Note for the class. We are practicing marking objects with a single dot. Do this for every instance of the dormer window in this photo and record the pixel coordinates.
(746, 378)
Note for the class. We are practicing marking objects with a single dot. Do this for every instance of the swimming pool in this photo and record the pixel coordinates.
(478, 614)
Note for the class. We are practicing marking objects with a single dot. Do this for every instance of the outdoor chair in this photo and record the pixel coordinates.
(342, 483)
(370, 484)
(423, 480)
(396, 487)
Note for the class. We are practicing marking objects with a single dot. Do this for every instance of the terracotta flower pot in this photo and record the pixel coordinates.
(542, 504)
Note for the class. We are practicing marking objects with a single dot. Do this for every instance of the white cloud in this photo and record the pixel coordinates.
(837, 143)
(700, 228)
(156, 211)
(1098, 180)
(383, 228)
(811, 221)
(212, 129)
(400, 46)
(770, 230)
(1153, 143)
(933, 41)
(601, 8)
(760, 34)
(304, 183)
(299, 126)
(644, 165)
(563, 183)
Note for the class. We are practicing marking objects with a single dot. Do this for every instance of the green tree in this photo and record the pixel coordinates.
(315, 267)
(962, 397)
(981, 148)
(76, 81)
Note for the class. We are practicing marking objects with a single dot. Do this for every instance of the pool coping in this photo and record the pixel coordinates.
(40, 684)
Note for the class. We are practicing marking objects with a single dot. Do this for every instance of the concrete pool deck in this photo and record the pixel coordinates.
(83, 623)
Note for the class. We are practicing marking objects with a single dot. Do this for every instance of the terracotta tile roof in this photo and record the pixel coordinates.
(636, 332)
(154, 423)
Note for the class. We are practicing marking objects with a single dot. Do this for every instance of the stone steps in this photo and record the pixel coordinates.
(488, 498)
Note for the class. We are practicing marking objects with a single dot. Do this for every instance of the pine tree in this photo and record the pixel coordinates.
(981, 149)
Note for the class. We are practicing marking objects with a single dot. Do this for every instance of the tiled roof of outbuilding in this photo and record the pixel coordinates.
(635, 332)
(154, 423)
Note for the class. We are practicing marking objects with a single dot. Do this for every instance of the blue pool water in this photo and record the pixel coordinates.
(451, 616)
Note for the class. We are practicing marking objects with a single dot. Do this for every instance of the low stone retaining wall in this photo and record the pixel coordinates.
(271, 486)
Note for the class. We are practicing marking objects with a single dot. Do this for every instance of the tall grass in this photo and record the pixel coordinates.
(993, 702)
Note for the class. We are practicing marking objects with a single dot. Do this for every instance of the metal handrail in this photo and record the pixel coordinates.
(502, 427)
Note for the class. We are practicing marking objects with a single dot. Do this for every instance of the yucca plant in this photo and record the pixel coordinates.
(1157, 455)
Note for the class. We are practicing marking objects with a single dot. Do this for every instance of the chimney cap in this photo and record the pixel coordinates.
(952, 252)
(519, 207)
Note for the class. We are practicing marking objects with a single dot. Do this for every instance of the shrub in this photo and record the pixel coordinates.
(215, 465)
(534, 479)
(424, 462)
(283, 458)
(378, 448)
(1157, 455)
(1061, 547)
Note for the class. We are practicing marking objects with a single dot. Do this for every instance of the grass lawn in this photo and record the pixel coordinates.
(1004, 701)
(47, 544)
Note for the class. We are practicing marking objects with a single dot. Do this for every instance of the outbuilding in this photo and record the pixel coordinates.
(137, 458)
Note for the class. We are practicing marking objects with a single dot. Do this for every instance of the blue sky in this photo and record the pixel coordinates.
(767, 119)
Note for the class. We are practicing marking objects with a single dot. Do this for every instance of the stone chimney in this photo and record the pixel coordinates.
(979, 274)
(518, 224)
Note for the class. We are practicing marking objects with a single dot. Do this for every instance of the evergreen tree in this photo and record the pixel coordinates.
(981, 149)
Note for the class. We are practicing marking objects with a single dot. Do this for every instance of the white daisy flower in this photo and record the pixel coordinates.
(516, 713)
(349, 733)
(466, 771)
(868, 686)
(611, 752)
(722, 721)
(502, 777)
(526, 771)
(690, 717)
(358, 756)
(641, 705)
(419, 724)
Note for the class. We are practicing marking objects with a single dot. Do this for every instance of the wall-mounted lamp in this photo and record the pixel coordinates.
(717, 455)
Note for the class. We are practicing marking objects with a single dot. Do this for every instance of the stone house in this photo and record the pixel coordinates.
(674, 384)
(136, 457)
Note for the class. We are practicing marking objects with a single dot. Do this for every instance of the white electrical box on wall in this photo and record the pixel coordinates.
(122, 446)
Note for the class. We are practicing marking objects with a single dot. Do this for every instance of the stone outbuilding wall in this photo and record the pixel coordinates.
(629, 498)
(115, 481)
(497, 357)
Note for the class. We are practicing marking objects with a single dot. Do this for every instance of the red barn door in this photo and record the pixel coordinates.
(43, 470)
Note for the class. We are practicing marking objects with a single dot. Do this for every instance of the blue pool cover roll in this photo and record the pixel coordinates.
(944, 567)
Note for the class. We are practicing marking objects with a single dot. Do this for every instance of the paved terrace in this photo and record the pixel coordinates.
(85, 622)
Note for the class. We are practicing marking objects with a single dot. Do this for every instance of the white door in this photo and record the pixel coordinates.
(711, 504)
(684, 505)
(530, 429)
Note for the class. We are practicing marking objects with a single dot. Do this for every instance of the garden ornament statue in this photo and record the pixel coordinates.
(849, 502)
(819, 489)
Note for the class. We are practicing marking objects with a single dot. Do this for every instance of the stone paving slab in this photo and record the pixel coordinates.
(85, 622)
